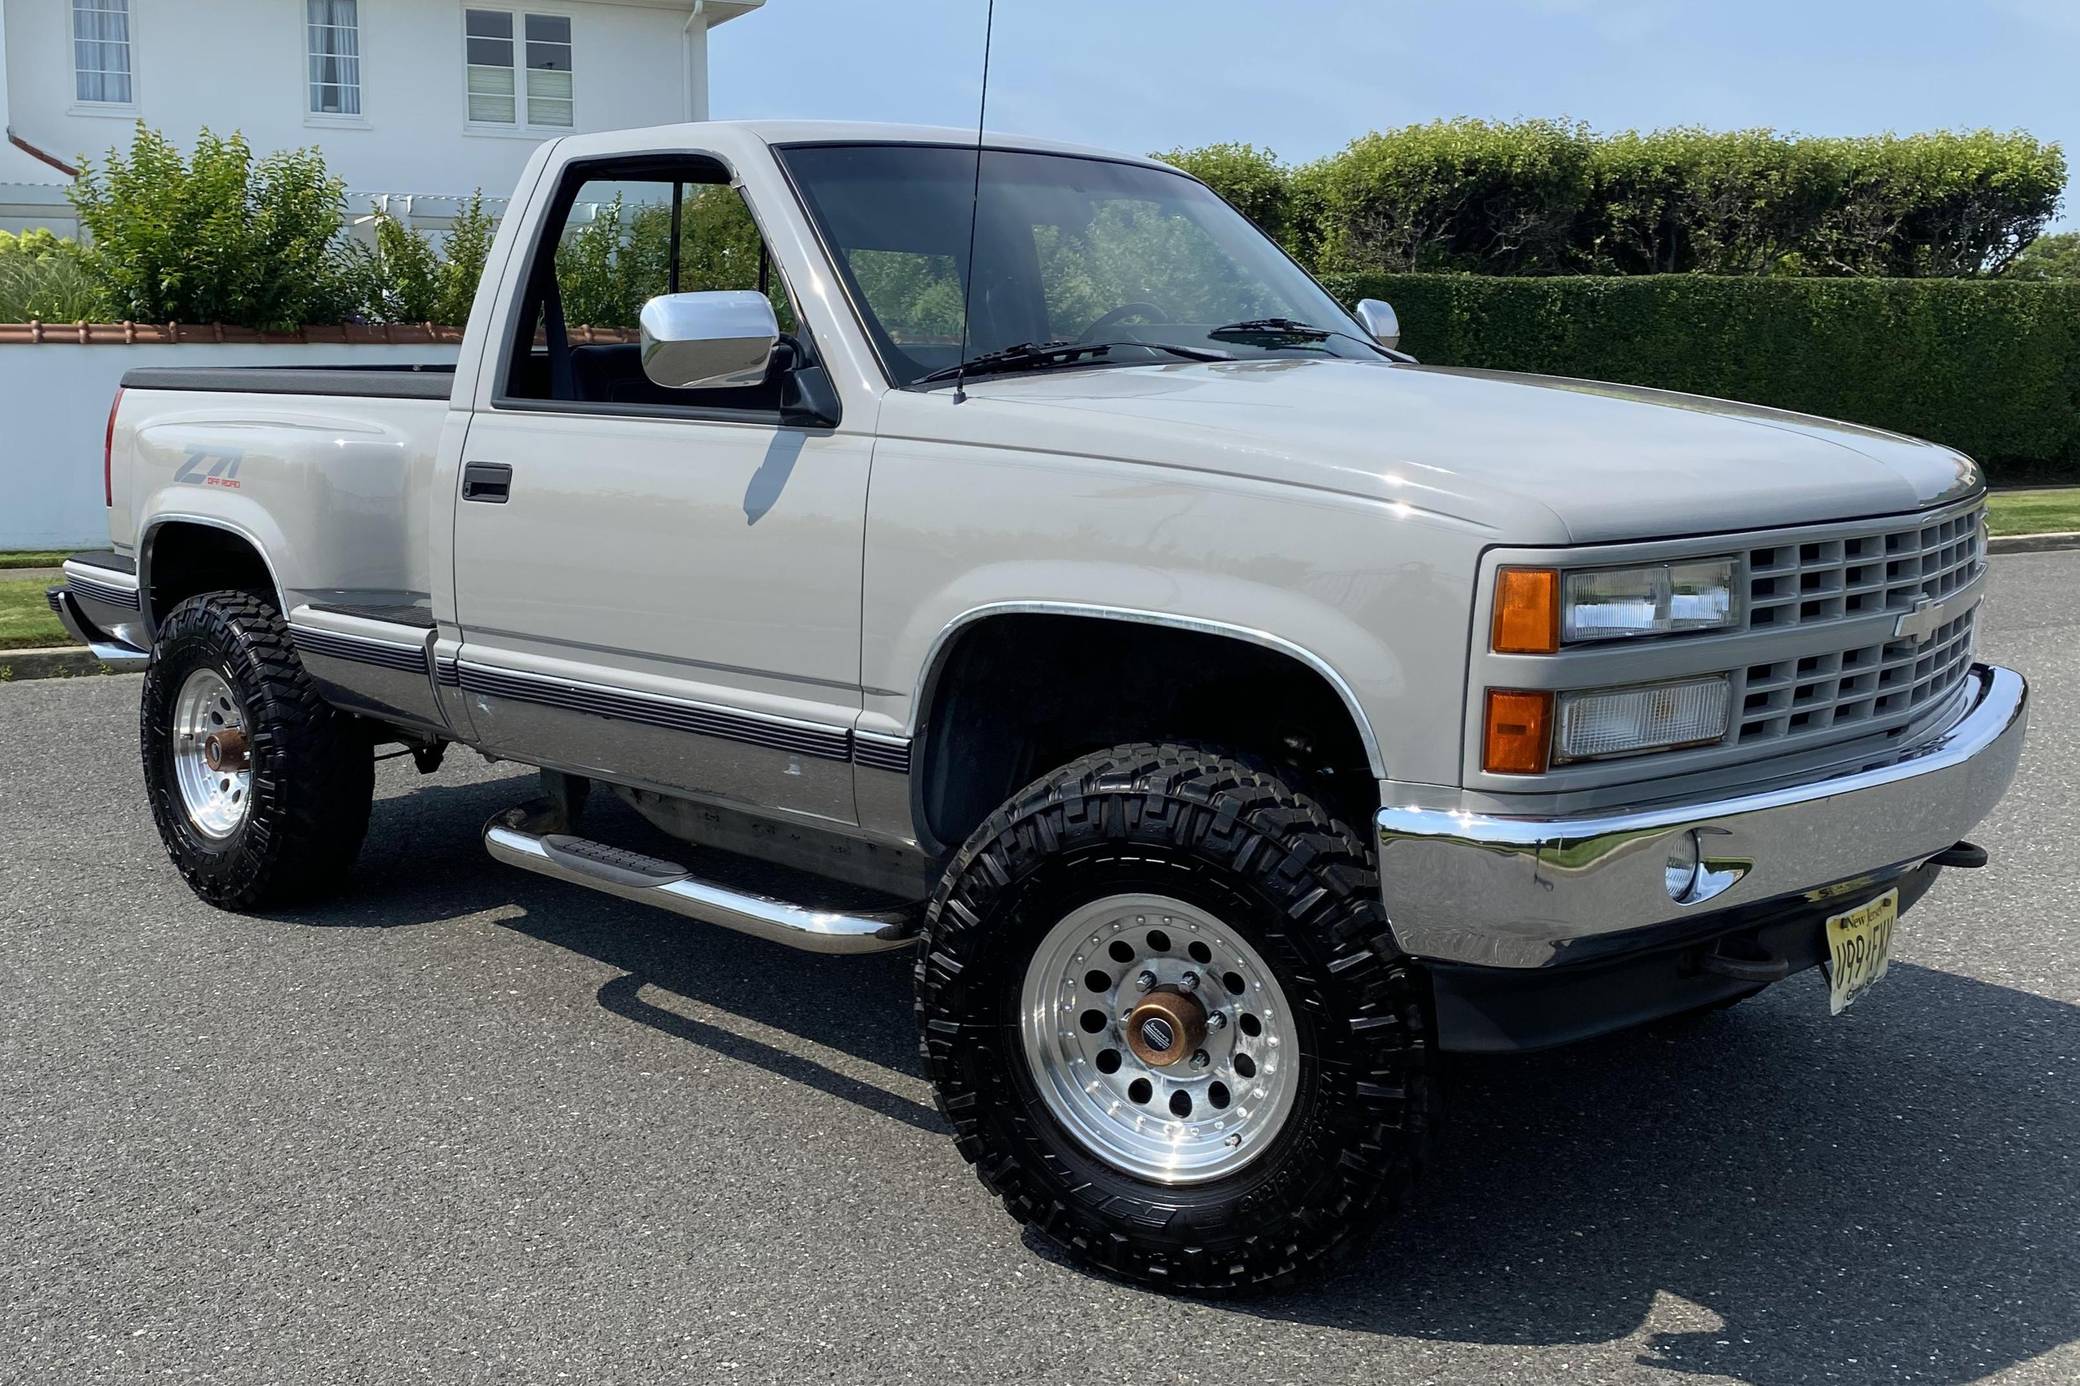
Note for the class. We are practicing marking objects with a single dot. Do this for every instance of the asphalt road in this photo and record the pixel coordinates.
(470, 1125)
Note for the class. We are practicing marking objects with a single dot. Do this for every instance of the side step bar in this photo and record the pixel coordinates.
(517, 837)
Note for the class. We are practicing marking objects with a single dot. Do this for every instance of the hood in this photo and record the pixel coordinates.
(1533, 459)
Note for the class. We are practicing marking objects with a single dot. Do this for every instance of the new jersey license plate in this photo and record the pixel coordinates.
(1859, 945)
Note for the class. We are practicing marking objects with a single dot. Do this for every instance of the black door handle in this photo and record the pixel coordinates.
(490, 482)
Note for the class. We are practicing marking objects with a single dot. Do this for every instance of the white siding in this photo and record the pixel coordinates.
(241, 64)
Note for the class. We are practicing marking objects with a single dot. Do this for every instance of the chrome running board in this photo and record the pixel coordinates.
(519, 838)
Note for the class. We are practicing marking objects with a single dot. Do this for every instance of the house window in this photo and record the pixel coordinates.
(334, 30)
(101, 51)
(498, 95)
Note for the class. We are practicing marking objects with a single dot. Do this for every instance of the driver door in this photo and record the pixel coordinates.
(657, 587)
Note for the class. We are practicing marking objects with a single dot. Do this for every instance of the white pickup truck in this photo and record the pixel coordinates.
(1230, 712)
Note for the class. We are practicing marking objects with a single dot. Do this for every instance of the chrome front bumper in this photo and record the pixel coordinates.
(1501, 891)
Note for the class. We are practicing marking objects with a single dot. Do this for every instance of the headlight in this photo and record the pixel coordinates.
(1657, 599)
(1601, 722)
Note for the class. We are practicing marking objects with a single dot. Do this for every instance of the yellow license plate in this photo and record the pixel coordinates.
(1859, 943)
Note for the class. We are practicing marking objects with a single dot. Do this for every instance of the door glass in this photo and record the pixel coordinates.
(615, 252)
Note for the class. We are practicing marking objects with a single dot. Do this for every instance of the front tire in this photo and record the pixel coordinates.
(261, 789)
(1280, 1105)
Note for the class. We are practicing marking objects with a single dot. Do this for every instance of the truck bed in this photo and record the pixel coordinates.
(407, 381)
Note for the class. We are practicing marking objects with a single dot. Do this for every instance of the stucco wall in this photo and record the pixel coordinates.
(54, 400)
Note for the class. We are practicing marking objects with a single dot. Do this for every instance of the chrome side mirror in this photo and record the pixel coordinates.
(1381, 321)
(708, 341)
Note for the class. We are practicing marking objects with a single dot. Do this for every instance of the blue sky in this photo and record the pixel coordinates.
(1305, 76)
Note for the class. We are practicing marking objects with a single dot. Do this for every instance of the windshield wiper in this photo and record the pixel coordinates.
(1032, 356)
(1285, 330)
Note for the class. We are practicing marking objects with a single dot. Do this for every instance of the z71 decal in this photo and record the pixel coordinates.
(210, 467)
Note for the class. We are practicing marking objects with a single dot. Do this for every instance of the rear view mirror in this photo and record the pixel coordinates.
(716, 340)
(1381, 321)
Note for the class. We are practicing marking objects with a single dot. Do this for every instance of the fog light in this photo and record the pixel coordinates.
(1684, 855)
(1655, 717)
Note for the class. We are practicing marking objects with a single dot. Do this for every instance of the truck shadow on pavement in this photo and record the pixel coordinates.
(1894, 1195)
(1764, 1194)
(425, 863)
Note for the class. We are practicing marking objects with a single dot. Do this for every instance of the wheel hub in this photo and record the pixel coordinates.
(1165, 1028)
(225, 750)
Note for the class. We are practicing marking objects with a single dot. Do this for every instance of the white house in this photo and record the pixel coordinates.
(415, 103)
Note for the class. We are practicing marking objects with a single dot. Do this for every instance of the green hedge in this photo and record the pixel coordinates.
(1538, 197)
(1989, 367)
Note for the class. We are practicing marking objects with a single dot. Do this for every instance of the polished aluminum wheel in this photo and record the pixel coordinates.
(1159, 1038)
(211, 762)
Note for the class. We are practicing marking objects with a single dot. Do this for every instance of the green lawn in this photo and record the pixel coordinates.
(33, 559)
(26, 619)
(2036, 512)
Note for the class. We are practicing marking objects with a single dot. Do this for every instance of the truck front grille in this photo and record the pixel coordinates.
(1844, 579)
(1820, 580)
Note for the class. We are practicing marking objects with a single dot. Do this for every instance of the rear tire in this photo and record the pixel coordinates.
(1169, 860)
(276, 810)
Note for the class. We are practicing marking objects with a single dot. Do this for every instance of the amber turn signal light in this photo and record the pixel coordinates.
(1527, 611)
(1517, 737)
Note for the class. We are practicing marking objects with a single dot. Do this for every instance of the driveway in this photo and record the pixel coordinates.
(471, 1125)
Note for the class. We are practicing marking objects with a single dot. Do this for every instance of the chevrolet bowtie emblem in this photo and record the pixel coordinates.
(1920, 624)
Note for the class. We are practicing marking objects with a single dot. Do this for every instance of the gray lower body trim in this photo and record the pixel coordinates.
(106, 593)
(387, 679)
(869, 749)
(780, 734)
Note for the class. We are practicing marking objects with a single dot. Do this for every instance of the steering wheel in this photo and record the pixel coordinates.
(1120, 314)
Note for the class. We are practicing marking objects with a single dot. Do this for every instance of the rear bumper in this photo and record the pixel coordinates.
(100, 607)
(1506, 892)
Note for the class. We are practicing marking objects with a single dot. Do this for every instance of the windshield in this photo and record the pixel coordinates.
(1067, 250)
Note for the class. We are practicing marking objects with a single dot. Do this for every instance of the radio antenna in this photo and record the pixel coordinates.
(960, 374)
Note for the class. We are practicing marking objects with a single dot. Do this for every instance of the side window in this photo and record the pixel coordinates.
(620, 243)
(615, 253)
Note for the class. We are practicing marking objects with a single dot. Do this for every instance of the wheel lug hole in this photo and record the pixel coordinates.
(1146, 981)
(1200, 1059)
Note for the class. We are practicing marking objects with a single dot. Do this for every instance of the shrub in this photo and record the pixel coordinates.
(1991, 367)
(462, 261)
(42, 279)
(221, 237)
(404, 278)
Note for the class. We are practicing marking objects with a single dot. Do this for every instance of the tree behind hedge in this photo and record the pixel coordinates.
(219, 237)
(2049, 257)
(1253, 181)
